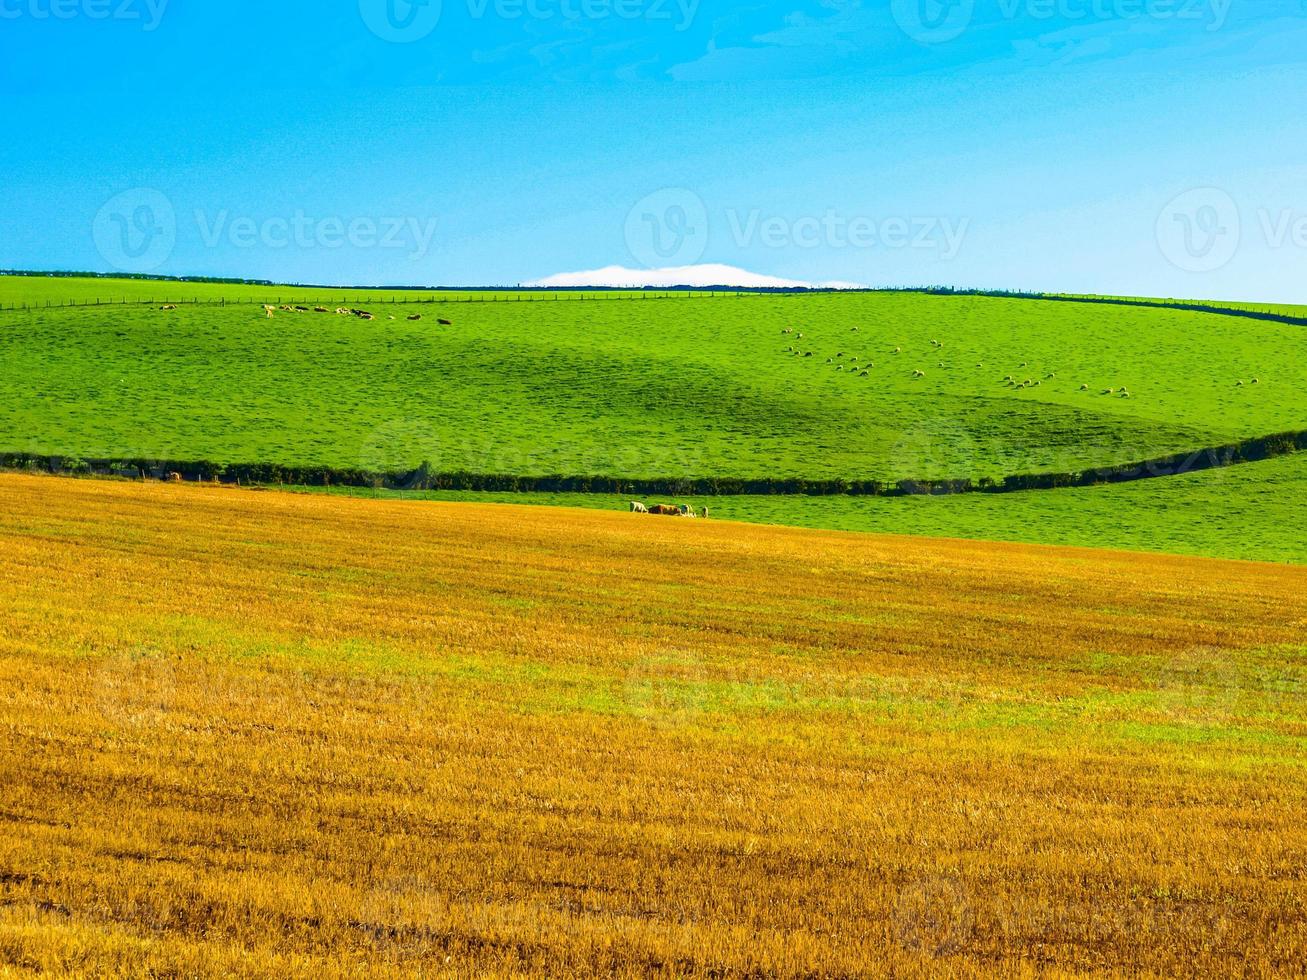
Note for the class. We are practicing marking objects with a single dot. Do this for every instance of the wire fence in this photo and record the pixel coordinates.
(383, 299)
(1289, 316)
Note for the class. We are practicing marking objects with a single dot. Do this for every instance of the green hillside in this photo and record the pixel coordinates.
(683, 386)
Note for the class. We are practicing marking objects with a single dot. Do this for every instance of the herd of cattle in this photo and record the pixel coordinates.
(666, 510)
(271, 310)
(340, 311)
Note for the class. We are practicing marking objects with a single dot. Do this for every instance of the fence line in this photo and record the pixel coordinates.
(602, 296)
(392, 300)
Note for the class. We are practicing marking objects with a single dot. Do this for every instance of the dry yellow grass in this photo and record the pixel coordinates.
(261, 734)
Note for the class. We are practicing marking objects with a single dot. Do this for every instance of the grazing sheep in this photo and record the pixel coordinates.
(918, 374)
(1084, 387)
(830, 360)
(863, 374)
(416, 316)
(1238, 384)
(1255, 381)
(1024, 364)
(1051, 376)
(807, 353)
(445, 323)
(173, 478)
(840, 354)
(1125, 394)
(855, 329)
(839, 367)
(898, 350)
(170, 306)
(941, 363)
(980, 365)
(1009, 378)
(320, 309)
(342, 311)
(1110, 391)
(800, 336)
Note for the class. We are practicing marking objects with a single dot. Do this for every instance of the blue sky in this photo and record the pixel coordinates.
(1119, 146)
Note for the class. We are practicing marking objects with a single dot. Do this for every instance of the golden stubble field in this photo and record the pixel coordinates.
(249, 733)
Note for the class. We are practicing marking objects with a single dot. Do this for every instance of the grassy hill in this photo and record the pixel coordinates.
(312, 736)
(686, 386)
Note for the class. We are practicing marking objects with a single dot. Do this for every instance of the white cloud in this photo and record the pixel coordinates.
(685, 275)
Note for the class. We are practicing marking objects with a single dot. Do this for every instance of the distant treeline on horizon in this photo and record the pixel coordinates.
(149, 277)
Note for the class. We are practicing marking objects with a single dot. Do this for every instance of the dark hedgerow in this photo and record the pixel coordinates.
(424, 476)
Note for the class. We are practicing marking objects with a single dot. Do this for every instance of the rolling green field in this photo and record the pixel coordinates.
(636, 385)
(695, 387)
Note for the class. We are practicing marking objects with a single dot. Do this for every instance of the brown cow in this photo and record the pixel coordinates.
(665, 510)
